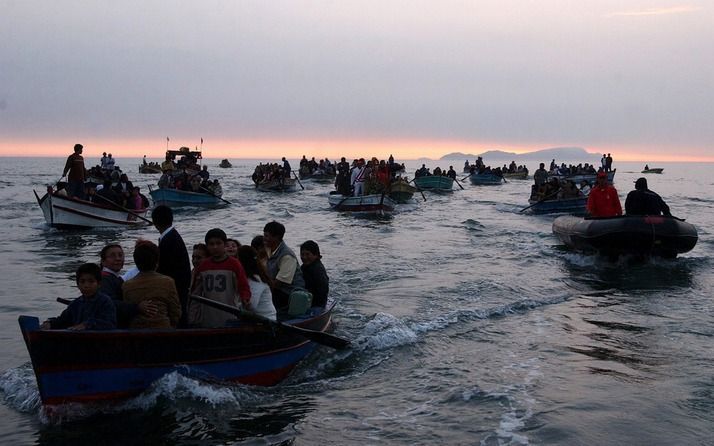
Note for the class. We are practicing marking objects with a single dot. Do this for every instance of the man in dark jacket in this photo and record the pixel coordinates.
(173, 256)
(643, 201)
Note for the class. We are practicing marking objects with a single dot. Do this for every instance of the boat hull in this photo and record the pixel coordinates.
(575, 206)
(149, 169)
(637, 235)
(436, 183)
(376, 204)
(177, 198)
(401, 191)
(516, 175)
(485, 179)
(655, 170)
(284, 185)
(579, 178)
(89, 366)
(71, 213)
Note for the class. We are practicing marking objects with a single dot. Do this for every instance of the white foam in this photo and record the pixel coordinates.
(20, 388)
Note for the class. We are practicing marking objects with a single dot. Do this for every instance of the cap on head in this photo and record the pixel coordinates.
(641, 184)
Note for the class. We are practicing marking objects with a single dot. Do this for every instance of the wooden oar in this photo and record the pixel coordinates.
(457, 182)
(418, 188)
(125, 209)
(467, 176)
(540, 201)
(62, 300)
(320, 337)
(298, 180)
(211, 193)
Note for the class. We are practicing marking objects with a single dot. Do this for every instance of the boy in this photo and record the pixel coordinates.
(90, 311)
(220, 278)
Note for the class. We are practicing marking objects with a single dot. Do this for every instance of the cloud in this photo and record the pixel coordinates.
(655, 11)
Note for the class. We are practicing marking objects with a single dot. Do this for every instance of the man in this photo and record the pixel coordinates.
(608, 163)
(77, 173)
(359, 175)
(173, 256)
(643, 201)
(451, 173)
(540, 176)
(286, 167)
(603, 200)
(283, 271)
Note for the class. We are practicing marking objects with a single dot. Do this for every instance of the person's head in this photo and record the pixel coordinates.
(273, 233)
(232, 246)
(91, 189)
(309, 252)
(110, 155)
(248, 258)
(78, 148)
(601, 178)
(123, 178)
(105, 154)
(88, 277)
(112, 257)
(542, 165)
(163, 217)
(205, 167)
(135, 191)
(216, 243)
(641, 184)
(199, 254)
(146, 255)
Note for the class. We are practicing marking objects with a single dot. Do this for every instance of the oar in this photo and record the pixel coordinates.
(125, 209)
(540, 201)
(320, 337)
(467, 176)
(64, 301)
(298, 180)
(418, 188)
(211, 193)
(457, 182)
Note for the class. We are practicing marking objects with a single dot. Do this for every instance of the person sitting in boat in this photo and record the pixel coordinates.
(540, 176)
(107, 194)
(569, 190)
(313, 271)
(643, 201)
(150, 286)
(123, 187)
(585, 187)
(167, 165)
(220, 278)
(90, 193)
(261, 299)
(423, 171)
(204, 173)
(451, 173)
(603, 200)
(283, 271)
(647, 167)
(92, 310)
(137, 200)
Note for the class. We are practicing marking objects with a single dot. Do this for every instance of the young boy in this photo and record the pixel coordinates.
(90, 311)
(220, 278)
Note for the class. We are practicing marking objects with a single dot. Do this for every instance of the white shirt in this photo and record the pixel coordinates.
(163, 234)
(261, 299)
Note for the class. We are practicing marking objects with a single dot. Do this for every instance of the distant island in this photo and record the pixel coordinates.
(545, 155)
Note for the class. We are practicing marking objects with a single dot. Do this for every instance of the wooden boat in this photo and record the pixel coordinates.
(186, 152)
(225, 164)
(319, 176)
(589, 177)
(653, 170)
(522, 175)
(485, 179)
(65, 212)
(177, 198)
(401, 191)
(575, 206)
(436, 183)
(149, 168)
(88, 366)
(376, 204)
(638, 235)
(277, 185)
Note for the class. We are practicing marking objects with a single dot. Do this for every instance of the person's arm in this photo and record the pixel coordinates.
(67, 166)
(242, 285)
(663, 207)
(65, 319)
(105, 315)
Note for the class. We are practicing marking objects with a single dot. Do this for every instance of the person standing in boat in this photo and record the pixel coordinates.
(75, 172)
(451, 173)
(283, 271)
(643, 201)
(173, 256)
(603, 200)
(608, 163)
(359, 175)
(220, 278)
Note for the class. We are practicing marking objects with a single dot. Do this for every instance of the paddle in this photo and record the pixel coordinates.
(467, 176)
(320, 337)
(211, 193)
(64, 301)
(418, 188)
(457, 182)
(540, 201)
(298, 180)
(124, 209)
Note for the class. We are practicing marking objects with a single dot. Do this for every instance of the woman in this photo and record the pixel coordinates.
(232, 246)
(150, 286)
(261, 299)
(313, 271)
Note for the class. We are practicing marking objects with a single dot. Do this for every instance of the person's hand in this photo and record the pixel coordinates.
(45, 325)
(78, 327)
(148, 308)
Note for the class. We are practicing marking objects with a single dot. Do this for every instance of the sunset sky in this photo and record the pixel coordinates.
(265, 79)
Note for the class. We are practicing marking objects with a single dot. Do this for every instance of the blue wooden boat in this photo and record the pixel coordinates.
(88, 366)
(176, 198)
(485, 179)
(646, 235)
(575, 206)
(436, 183)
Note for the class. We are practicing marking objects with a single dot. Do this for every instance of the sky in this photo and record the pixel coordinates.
(266, 79)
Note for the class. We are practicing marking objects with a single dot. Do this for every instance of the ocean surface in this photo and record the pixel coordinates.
(470, 323)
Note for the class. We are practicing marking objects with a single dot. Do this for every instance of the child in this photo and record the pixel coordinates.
(313, 271)
(220, 278)
(261, 299)
(232, 246)
(90, 311)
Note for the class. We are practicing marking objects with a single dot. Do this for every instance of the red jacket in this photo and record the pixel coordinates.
(604, 202)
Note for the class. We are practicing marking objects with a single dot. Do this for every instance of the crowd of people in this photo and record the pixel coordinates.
(264, 278)
(366, 177)
(312, 167)
(187, 175)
